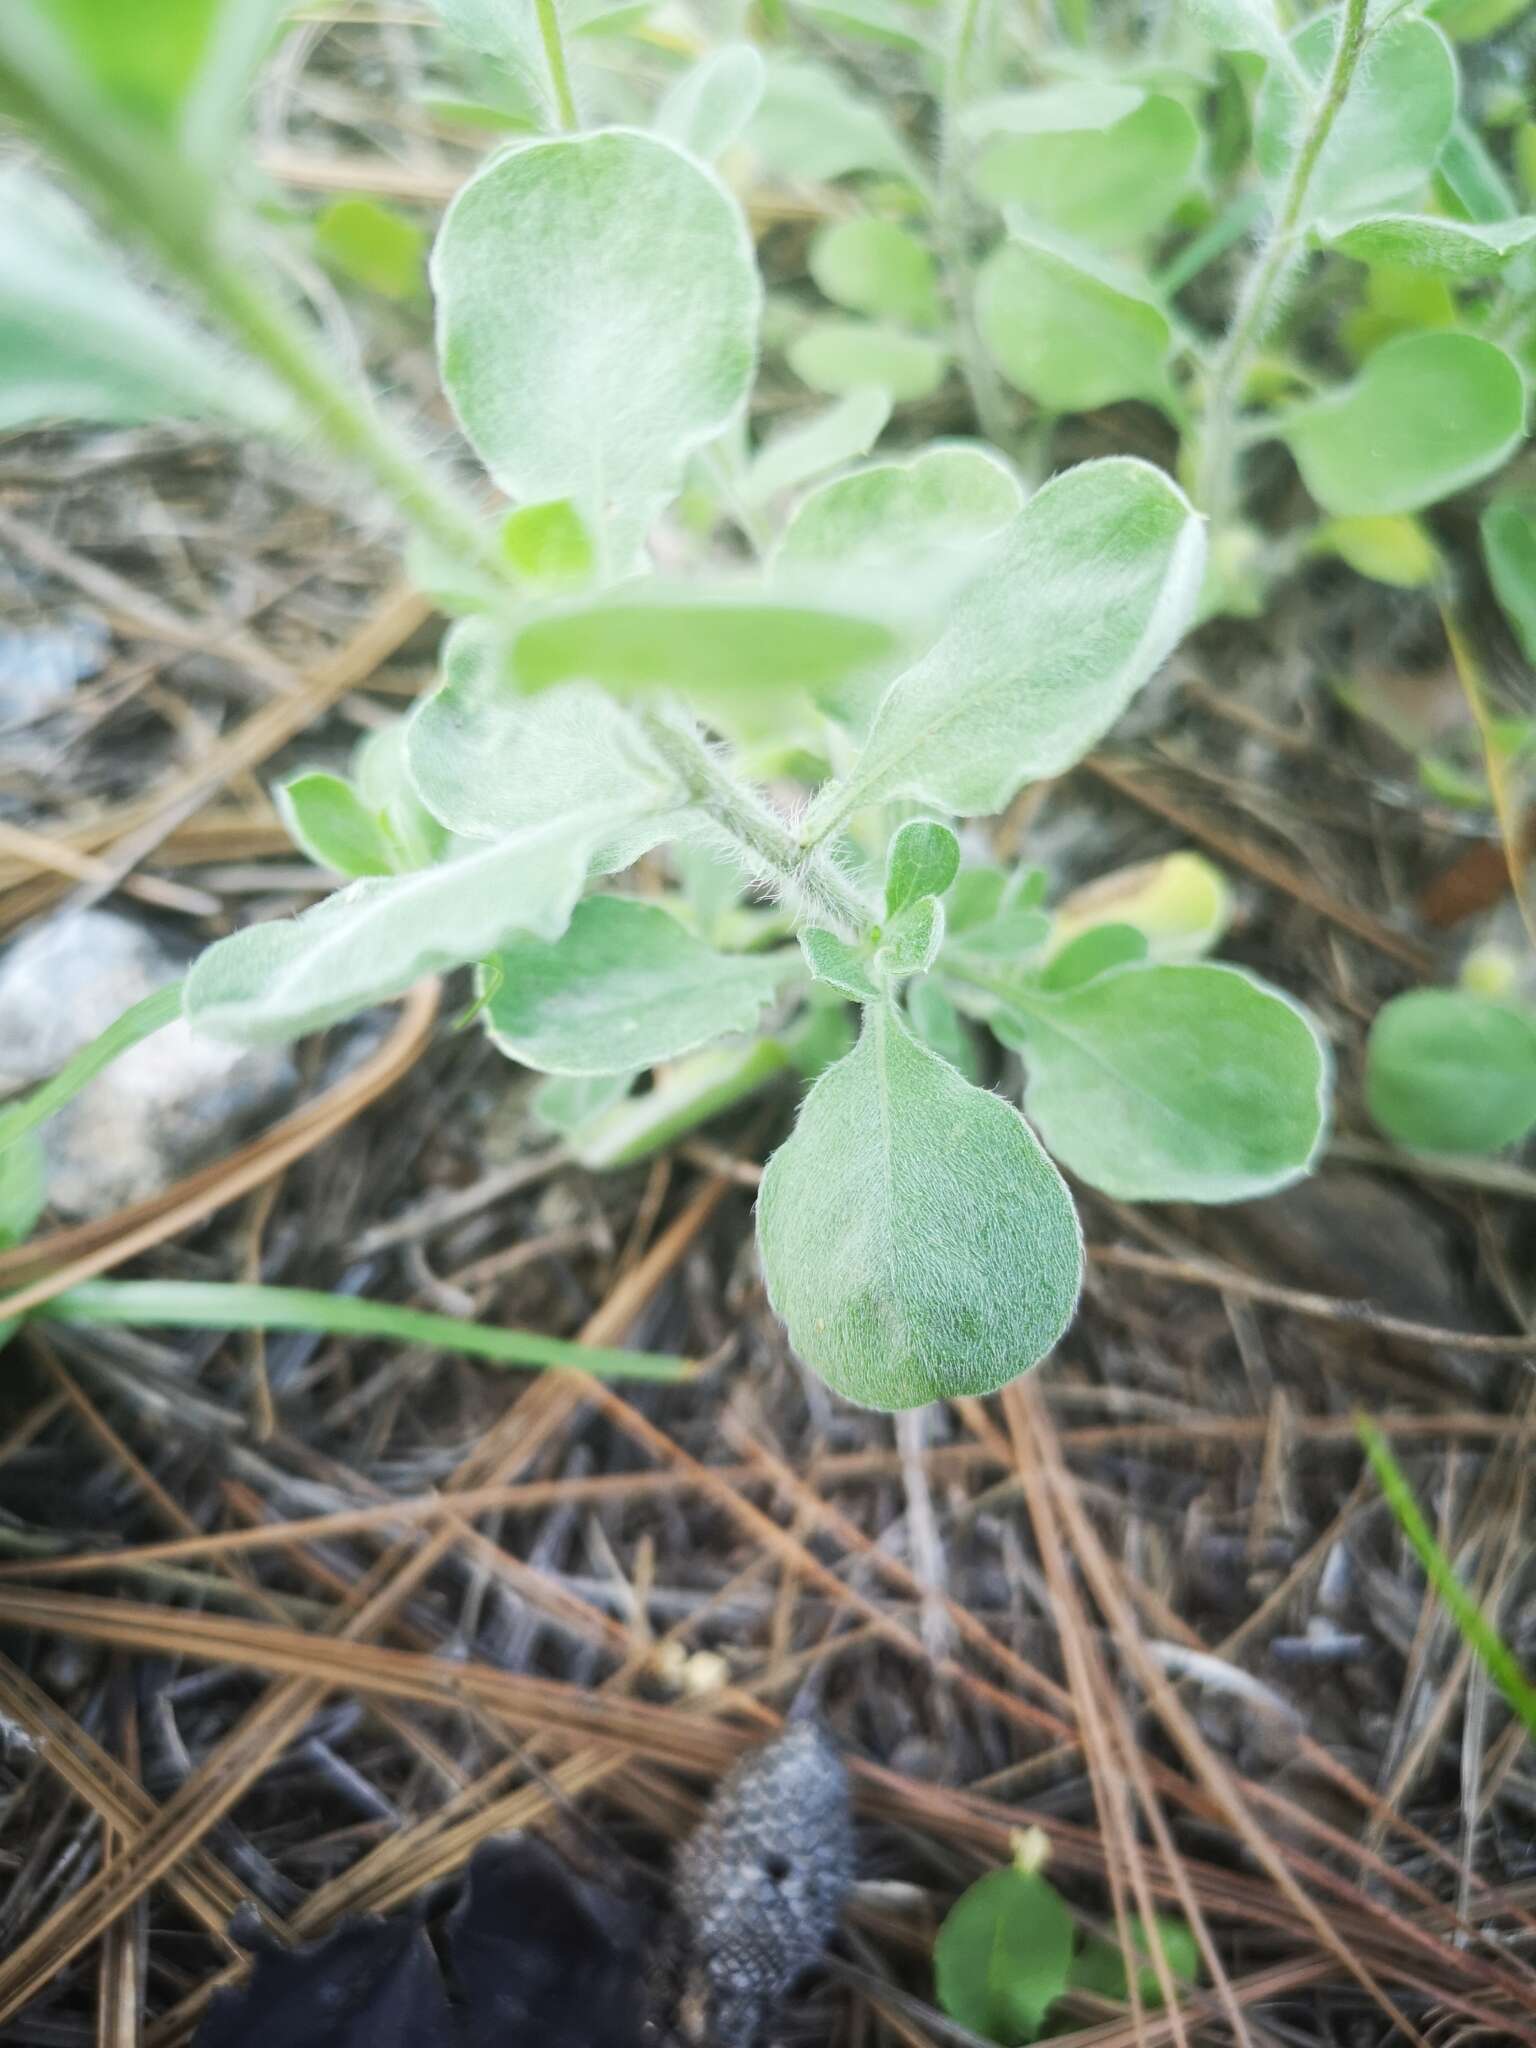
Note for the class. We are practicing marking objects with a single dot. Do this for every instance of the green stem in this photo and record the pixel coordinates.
(139, 1022)
(214, 1305)
(991, 407)
(804, 877)
(559, 70)
(248, 307)
(1256, 302)
(1477, 1630)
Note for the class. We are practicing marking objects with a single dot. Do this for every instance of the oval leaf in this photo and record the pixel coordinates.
(893, 517)
(1448, 1072)
(1004, 1955)
(710, 105)
(841, 433)
(915, 1239)
(1173, 1083)
(1428, 415)
(810, 125)
(873, 266)
(838, 356)
(623, 987)
(922, 859)
(1086, 594)
(597, 319)
(1067, 332)
(1388, 134)
(329, 821)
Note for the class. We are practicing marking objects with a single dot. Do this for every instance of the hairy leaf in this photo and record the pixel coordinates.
(839, 963)
(1428, 415)
(81, 339)
(1173, 1083)
(915, 1239)
(1458, 249)
(597, 320)
(1087, 593)
(1069, 332)
(487, 760)
(1387, 135)
(922, 859)
(923, 518)
(910, 942)
(623, 987)
(1451, 1072)
(810, 125)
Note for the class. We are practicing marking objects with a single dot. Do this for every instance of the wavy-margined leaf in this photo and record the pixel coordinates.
(1085, 595)
(1459, 249)
(598, 303)
(174, 70)
(1070, 332)
(1173, 1083)
(914, 1237)
(1428, 415)
(624, 987)
(81, 339)
(375, 939)
(712, 103)
(1387, 135)
(489, 761)
(1451, 1072)
(1108, 181)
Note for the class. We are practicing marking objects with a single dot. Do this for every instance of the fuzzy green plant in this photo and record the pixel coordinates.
(789, 674)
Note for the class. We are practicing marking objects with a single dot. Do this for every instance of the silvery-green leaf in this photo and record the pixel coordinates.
(841, 965)
(81, 339)
(329, 821)
(1427, 415)
(382, 774)
(810, 125)
(1016, 931)
(1087, 593)
(1240, 25)
(566, 1102)
(910, 942)
(1458, 249)
(1063, 109)
(712, 103)
(914, 1237)
(873, 266)
(598, 303)
(940, 1026)
(623, 987)
(1068, 330)
(1388, 134)
(926, 517)
(487, 760)
(841, 433)
(1174, 1083)
(922, 859)
(1448, 1071)
(375, 939)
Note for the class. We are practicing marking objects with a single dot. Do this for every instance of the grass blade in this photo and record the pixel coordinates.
(216, 1305)
(139, 1021)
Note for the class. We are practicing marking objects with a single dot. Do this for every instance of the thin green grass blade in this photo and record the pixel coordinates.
(1477, 1630)
(215, 1305)
(138, 1022)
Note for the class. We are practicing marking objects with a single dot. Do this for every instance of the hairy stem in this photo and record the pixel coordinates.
(348, 421)
(559, 70)
(804, 877)
(1216, 483)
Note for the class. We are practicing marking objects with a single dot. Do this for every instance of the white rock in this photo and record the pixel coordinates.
(170, 1104)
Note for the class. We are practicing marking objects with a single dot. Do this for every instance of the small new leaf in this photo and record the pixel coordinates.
(914, 1237)
(1452, 1072)
(1004, 1956)
(910, 943)
(922, 859)
(330, 822)
(842, 966)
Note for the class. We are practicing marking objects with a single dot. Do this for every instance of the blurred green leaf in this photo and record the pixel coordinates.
(809, 125)
(872, 266)
(1450, 248)
(838, 356)
(711, 104)
(1101, 1966)
(1109, 183)
(376, 246)
(1508, 528)
(1067, 331)
(1004, 1955)
(1428, 415)
(327, 818)
(549, 545)
(1092, 953)
(1451, 1072)
(839, 434)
